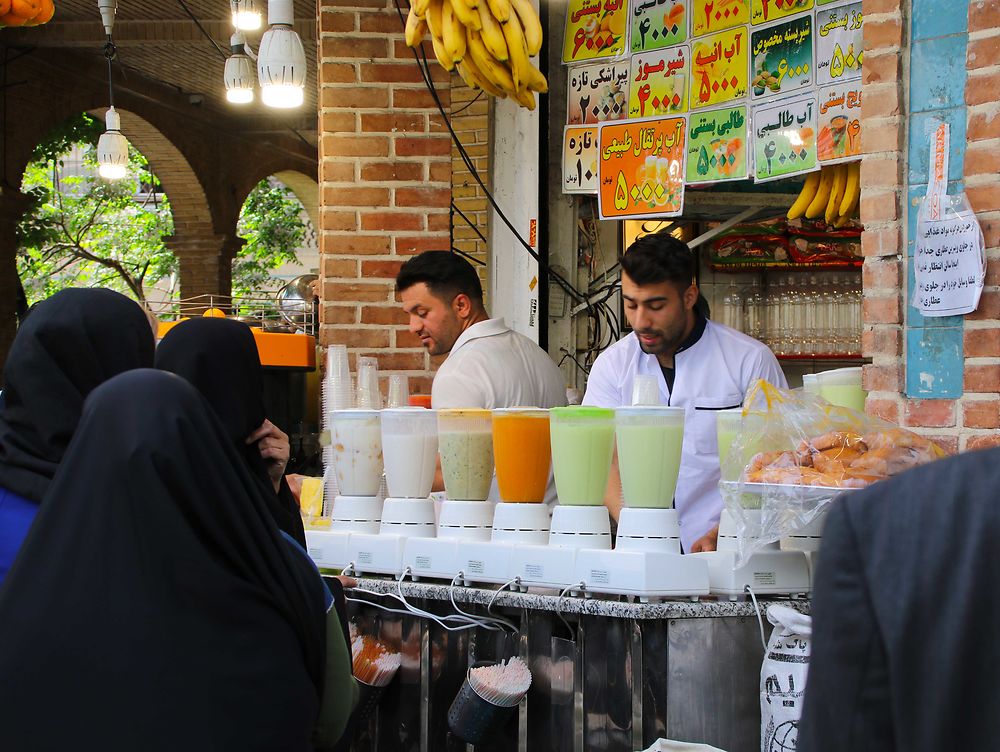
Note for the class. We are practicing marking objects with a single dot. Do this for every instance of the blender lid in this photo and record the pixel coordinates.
(354, 413)
(583, 412)
(652, 410)
(464, 412)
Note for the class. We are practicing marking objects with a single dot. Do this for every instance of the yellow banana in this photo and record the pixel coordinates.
(491, 34)
(805, 198)
(493, 71)
(419, 8)
(818, 204)
(442, 54)
(525, 97)
(468, 16)
(852, 191)
(416, 29)
(433, 19)
(532, 26)
(517, 48)
(841, 221)
(500, 10)
(535, 80)
(836, 193)
(474, 78)
(452, 32)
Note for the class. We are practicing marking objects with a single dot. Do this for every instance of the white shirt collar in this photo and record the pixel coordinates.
(487, 328)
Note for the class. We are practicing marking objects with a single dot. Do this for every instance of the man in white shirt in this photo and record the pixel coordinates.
(701, 366)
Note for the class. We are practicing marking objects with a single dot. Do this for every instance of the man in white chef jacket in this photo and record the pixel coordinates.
(701, 366)
(488, 365)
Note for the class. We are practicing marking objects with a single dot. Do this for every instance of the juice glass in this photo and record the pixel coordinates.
(522, 453)
(465, 443)
(409, 445)
(649, 454)
(583, 441)
(357, 451)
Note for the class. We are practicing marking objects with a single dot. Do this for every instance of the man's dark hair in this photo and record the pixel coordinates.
(660, 257)
(446, 275)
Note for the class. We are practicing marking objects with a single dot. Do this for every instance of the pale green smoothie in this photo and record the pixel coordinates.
(466, 463)
(581, 453)
(649, 458)
(844, 395)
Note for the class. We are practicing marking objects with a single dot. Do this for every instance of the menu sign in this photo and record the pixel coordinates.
(840, 123)
(784, 139)
(659, 83)
(950, 264)
(597, 92)
(580, 159)
(719, 66)
(709, 16)
(839, 44)
(782, 58)
(656, 24)
(764, 11)
(641, 168)
(717, 145)
(595, 29)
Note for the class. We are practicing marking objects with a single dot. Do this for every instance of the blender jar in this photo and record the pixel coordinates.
(409, 446)
(649, 454)
(583, 441)
(357, 451)
(522, 452)
(465, 443)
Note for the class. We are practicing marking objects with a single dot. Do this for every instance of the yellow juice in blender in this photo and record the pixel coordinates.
(583, 441)
(522, 453)
(649, 454)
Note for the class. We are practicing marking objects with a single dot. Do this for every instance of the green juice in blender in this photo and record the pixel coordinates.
(649, 454)
(583, 441)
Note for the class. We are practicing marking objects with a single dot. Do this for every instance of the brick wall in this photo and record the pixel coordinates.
(940, 376)
(385, 180)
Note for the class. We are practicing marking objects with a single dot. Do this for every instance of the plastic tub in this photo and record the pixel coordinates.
(842, 386)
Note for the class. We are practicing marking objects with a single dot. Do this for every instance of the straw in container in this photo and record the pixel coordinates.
(374, 667)
(489, 696)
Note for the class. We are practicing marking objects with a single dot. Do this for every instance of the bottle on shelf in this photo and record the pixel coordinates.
(753, 310)
(732, 308)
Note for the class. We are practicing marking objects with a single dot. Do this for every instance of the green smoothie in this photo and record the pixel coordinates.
(649, 458)
(844, 395)
(583, 440)
(466, 463)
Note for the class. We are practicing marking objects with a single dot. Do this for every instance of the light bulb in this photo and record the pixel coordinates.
(246, 17)
(281, 61)
(239, 74)
(282, 96)
(112, 149)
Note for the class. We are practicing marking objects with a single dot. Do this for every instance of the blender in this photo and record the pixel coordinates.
(409, 451)
(842, 387)
(647, 561)
(465, 446)
(356, 446)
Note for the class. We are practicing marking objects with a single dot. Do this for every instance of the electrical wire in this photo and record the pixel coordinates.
(499, 619)
(468, 104)
(201, 28)
(760, 621)
(465, 255)
(562, 594)
(469, 222)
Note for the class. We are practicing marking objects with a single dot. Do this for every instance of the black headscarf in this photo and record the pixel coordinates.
(219, 357)
(71, 343)
(155, 605)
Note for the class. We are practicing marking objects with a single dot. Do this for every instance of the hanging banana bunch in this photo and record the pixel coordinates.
(489, 43)
(831, 192)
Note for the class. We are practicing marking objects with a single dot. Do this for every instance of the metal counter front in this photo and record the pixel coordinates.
(606, 674)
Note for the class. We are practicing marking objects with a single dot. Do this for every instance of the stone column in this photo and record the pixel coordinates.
(201, 257)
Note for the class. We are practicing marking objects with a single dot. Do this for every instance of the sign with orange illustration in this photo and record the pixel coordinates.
(657, 24)
(840, 124)
(717, 147)
(720, 68)
(784, 139)
(595, 29)
(710, 16)
(640, 165)
(659, 83)
(580, 159)
(764, 11)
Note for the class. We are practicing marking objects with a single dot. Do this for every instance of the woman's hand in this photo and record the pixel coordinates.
(274, 449)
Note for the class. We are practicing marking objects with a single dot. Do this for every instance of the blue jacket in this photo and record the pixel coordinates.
(16, 515)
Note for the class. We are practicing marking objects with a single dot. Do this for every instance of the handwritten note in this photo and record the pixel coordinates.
(656, 24)
(784, 139)
(580, 159)
(949, 264)
(765, 11)
(717, 147)
(595, 29)
(840, 123)
(839, 44)
(710, 16)
(782, 58)
(641, 168)
(719, 65)
(658, 83)
(597, 92)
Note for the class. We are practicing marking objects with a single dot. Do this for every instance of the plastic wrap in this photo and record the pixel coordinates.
(795, 453)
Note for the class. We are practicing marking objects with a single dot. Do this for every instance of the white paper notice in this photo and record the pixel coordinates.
(949, 264)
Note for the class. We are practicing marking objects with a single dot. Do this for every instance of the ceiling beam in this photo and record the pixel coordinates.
(133, 33)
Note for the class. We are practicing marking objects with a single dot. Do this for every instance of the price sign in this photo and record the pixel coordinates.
(719, 66)
(580, 159)
(659, 83)
(641, 168)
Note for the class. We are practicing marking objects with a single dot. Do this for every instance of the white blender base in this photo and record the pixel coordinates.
(543, 566)
(408, 518)
(328, 548)
(580, 527)
(376, 554)
(431, 558)
(520, 523)
(646, 575)
(641, 529)
(357, 514)
(766, 572)
(466, 520)
(484, 562)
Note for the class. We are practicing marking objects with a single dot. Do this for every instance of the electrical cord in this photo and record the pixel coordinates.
(500, 620)
(202, 29)
(562, 594)
(760, 621)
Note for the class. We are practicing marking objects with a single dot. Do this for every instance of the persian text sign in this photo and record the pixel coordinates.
(719, 66)
(717, 145)
(658, 84)
(641, 168)
(656, 24)
(782, 57)
(839, 44)
(840, 123)
(709, 16)
(784, 139)
(764, 11)
(580, 159)
(595, 29)
(596, 92)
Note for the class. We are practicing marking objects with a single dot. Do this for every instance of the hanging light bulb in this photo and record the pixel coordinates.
(239, 72)
(112, 149)
(246, 17)
(281, 61)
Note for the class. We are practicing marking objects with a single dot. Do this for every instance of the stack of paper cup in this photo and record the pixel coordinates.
(646, 390)
(368, 395)
(399, 390)
(337, 394)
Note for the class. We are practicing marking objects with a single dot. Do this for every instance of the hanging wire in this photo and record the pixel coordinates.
(110, 51)
(201, 28)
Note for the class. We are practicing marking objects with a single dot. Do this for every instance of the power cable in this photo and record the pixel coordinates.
(201, 28)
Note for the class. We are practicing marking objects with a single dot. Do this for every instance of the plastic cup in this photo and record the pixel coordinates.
(368, 395)
(399, 390)
(465, 443)
(522, 452)
(409, 446)
(649, 454)
(357, 451)
(583, 442)
(842, 387)
(646, 390)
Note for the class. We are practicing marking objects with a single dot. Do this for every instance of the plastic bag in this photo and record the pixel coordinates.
(783, 678)
(796, 452)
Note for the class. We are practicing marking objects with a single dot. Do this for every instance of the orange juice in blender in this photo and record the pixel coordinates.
(522, 452)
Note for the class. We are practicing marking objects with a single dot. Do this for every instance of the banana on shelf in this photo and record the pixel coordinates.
(489, 42)
(832, 192)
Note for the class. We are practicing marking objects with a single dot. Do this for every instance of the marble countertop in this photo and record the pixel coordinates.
(549, 600)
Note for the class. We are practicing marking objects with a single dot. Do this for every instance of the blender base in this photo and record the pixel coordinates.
(488, 562)
(328, 548)
(520, 523)
(544, 566)
(431, 558)
(646, 575)
(580, 527)
(408, 518)
(376, 554)
(766, 573)
(360, 514)
(466, 520)
(648, 530)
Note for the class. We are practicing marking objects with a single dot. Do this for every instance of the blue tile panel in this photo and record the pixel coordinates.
(934, 362)
(938, 19)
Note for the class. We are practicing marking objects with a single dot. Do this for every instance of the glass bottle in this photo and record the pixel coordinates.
(732, 308)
